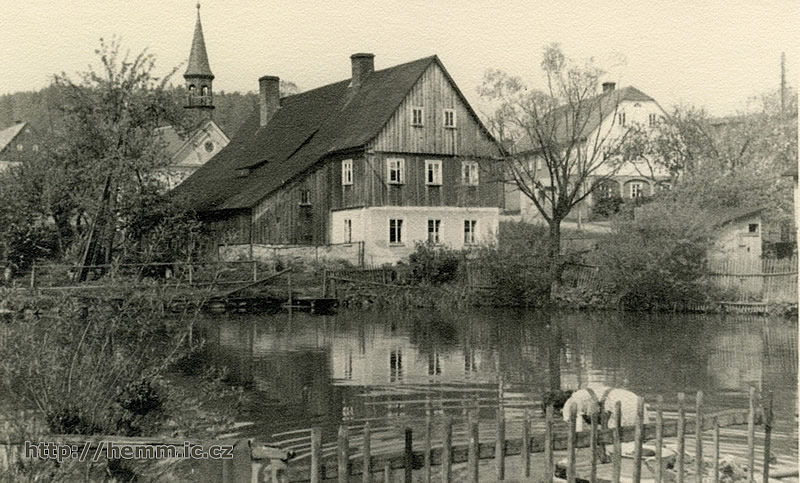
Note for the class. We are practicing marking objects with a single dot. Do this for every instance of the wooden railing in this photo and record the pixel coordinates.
(354, 454)
(175, 273)
(353, 459)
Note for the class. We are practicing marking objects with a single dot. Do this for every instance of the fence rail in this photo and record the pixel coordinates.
(176, 273)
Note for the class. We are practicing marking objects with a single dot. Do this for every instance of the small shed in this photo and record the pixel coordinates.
(739, 237)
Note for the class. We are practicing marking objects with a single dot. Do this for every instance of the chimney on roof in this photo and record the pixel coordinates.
(363, 66)
(269, 97)
(609, 86)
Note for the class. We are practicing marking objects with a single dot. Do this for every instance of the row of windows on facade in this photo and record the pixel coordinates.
(21, 147)
(396, 172)
(434, 231)
(652, 119)
(434, 364)
(418, 117)
(636, 189)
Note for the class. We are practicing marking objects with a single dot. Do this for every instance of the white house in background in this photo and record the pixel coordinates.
(189, 153)
(17, 142)
(617, 111)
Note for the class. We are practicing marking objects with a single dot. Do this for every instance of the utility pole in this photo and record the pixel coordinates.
(783, 85)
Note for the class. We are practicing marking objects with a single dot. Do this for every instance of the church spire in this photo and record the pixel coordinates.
(198, 74)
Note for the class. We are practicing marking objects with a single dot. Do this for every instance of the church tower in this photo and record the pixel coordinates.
(198, 74)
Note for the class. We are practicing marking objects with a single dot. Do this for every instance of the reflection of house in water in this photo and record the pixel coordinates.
(284, 375)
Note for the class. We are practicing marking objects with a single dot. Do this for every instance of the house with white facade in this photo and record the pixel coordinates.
(187, 153)
(383, 159)
(615, 111)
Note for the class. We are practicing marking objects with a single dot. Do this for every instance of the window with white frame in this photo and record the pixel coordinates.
(636, 190)
(450, 118)
(395, 168)
(347, 172)
(469, 173)
(417, 116)
(305, 197)
(433, 230)
(652, 119)
(348, 231)
(396, 231)
(433, 172)
(470, 227)
(621, 117)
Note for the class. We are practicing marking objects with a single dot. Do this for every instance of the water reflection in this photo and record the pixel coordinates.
(394, 367)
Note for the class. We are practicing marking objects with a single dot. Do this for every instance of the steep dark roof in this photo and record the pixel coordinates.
(307, 127)
(723, 216)
(198, 58)
(601, 106)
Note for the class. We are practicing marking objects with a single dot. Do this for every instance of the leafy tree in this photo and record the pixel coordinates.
(559, 137)
(659, 258)
(725, 163)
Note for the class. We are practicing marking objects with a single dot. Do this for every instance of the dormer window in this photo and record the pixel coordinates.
(242, 172)
(417, 116)
(450, 118)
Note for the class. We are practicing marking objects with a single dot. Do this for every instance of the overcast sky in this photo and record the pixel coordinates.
(711, 54)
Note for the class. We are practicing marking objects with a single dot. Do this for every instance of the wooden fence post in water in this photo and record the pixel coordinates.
(751, 434)
(526, 443)
(659, 438)
(698, 433)
(573, 414)
(638, 438)
(681, 435)
(428, 443)
(366, 467)
(343, 455)
(447, 449)
(500, 446)
(616, 460)
(716, 450)
(593, 443)
(408, 456)
(767, 435)
(316, 455)
(474, 448)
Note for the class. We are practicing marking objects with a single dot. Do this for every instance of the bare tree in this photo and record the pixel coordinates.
(563, 141)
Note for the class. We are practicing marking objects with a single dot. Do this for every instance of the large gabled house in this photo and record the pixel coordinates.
(18, 142)
(614, 111)
(386, 158)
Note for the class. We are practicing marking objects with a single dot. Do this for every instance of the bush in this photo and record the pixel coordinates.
(660, 258)
(606, 207)
(518, 267)
(434, 265)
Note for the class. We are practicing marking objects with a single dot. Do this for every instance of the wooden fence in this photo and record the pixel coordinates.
(176, 273)
(353, 453)
(766, 280)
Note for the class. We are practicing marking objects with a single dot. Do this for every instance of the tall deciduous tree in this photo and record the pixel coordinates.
(562, 138)
(107, 148)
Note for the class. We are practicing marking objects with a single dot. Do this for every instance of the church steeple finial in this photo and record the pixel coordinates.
(198, 74)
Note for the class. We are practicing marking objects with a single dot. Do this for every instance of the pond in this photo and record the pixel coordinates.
(394, 367)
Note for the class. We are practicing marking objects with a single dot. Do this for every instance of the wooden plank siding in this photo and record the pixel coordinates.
(281, 219)
(434, 93)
